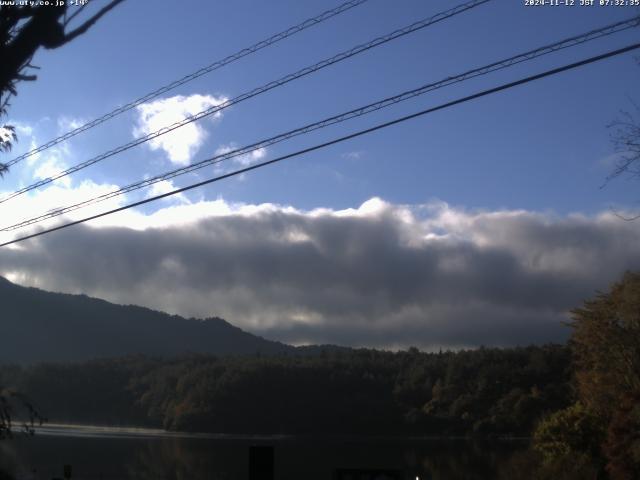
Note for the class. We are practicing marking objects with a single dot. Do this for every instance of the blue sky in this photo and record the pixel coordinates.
(541, 150)
(541, 146)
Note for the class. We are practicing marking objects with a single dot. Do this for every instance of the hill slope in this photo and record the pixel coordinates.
(36, 326)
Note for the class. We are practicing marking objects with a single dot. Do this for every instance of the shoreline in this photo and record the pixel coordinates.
(99, 431)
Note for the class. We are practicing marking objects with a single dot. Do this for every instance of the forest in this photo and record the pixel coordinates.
(578, 404)
(484, 391)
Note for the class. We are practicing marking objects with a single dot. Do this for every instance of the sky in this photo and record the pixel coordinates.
(481, 224)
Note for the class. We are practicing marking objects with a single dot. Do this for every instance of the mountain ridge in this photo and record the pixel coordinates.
(41, 326)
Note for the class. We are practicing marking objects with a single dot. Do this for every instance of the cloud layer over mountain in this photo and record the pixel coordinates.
(380, 275)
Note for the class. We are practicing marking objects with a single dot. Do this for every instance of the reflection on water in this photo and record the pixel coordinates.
(123, 454)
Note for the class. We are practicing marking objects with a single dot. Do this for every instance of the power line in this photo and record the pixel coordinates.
(387, 102)
(257, 91)
(310, 22)
(381, 126)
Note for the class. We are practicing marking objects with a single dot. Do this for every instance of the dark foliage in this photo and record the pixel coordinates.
(23, 30)
(480, 392)
(603, 429)
(12, 404)
(622, 447)
(625, 136)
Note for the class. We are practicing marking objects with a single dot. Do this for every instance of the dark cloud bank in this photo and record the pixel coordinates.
(382, 275)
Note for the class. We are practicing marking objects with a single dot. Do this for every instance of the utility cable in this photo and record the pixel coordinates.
(310, 22)
(381, 126)
(387, 102)
(257, 91)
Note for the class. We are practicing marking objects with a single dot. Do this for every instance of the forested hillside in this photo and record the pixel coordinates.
(479, 392)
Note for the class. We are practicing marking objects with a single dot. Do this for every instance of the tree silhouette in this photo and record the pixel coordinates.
(23, 30)
(7, 137)
(625, 136)
(606, 346)
(12, 402)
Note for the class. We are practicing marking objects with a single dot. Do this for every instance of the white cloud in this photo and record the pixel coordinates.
(251, 158)
(66, 123)
(166, 186)
(51, 162)
(379, 274)
(25, 130)
(54, 159)
(181, 144)
(49, 169)
(244, 160)
(22, 128)
(52, 197)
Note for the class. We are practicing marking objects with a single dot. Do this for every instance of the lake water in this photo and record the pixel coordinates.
(111, 454)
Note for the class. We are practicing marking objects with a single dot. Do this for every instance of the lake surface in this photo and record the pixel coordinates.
(110, 454)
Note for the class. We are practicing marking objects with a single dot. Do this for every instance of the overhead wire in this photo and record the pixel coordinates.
(387, 102)
(414, 27)
(310, 22)
(344, 138)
